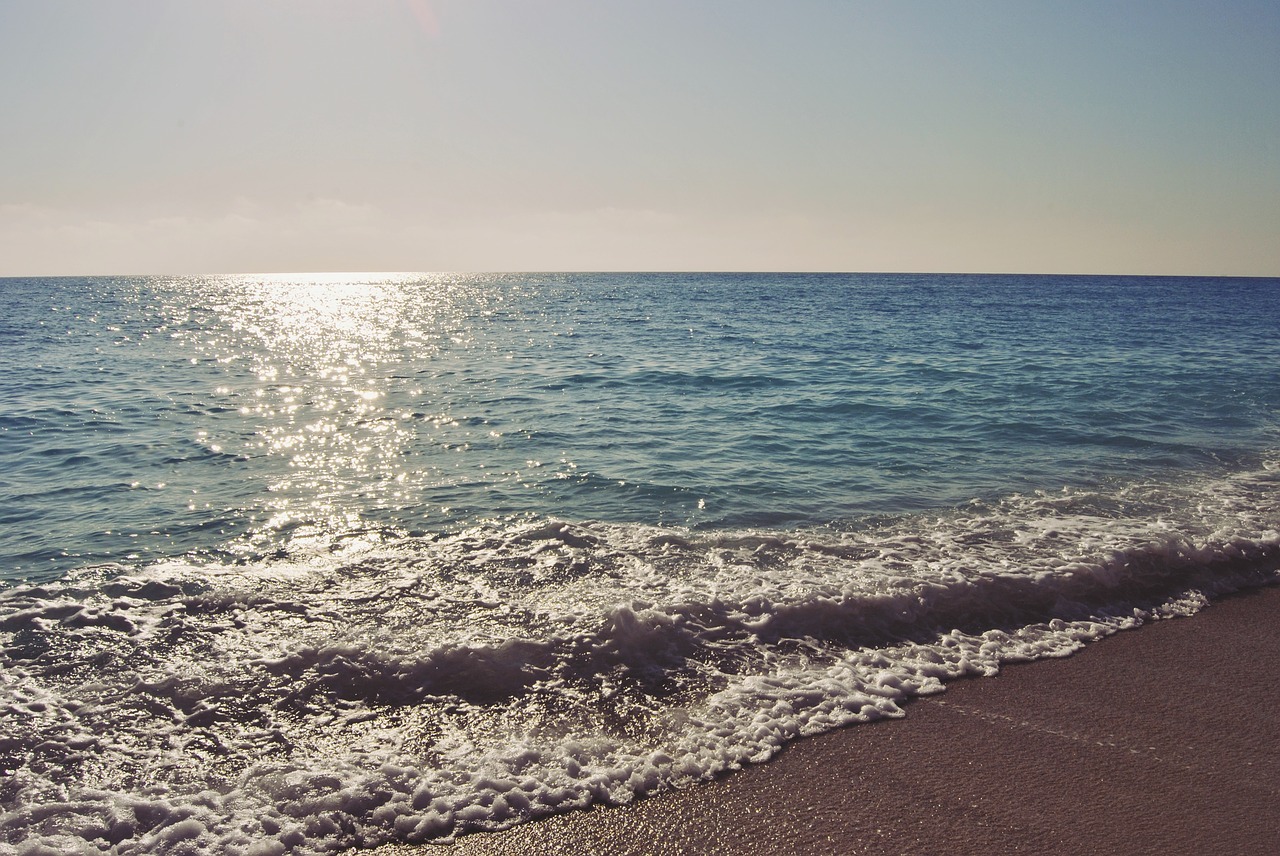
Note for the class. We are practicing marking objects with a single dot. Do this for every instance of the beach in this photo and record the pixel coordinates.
(307, 564)
(1159, 740)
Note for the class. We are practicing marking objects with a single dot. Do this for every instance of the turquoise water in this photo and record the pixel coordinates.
(296, 563)
(151, 417)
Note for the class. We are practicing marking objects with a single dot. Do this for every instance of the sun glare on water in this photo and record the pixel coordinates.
(314, 363)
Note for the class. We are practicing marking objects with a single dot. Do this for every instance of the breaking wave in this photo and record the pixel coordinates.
(386, 688)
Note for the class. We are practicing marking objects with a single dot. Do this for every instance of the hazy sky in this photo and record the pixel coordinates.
(159, 136)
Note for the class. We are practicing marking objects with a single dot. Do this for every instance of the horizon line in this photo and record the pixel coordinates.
(625, 272)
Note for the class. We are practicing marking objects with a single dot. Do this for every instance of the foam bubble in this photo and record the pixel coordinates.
(415, 690)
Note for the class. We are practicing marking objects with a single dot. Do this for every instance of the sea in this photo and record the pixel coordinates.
(304, 563)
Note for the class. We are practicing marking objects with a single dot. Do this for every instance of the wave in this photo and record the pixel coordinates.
(371, 690)
(668, 380)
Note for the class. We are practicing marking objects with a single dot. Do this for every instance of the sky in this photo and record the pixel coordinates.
(164, 137)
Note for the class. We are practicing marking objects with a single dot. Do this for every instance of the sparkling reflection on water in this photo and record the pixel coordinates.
(333, 378)
(151, 417)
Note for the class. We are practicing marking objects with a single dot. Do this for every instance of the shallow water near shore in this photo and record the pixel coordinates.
(300, 563)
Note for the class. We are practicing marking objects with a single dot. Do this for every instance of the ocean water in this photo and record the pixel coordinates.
(292, 564)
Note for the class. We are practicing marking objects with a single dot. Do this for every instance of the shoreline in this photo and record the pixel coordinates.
(1157, 740)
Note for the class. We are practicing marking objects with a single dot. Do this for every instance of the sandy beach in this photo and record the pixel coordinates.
(1160, 740)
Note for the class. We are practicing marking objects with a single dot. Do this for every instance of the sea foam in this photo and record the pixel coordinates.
(414, 688)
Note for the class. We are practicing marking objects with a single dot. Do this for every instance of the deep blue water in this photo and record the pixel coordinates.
(295, 564)
(149, 417)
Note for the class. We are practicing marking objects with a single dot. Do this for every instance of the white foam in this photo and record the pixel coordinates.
(417, 690)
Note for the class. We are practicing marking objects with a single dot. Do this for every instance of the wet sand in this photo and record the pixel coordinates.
(1160, 740)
